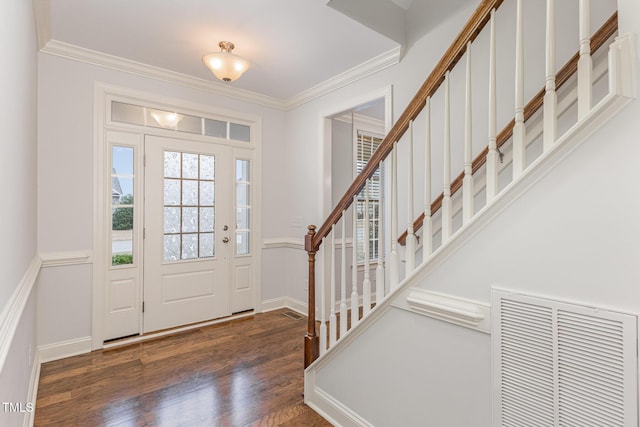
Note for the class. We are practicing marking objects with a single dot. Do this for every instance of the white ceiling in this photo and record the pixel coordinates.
(405, 4)
(293, 45)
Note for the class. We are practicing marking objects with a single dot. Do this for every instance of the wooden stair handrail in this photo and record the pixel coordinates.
(472, 28)
(313, 239)
(603, 34)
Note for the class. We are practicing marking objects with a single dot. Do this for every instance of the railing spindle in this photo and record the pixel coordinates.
(550, 124)
(394, 273)
(366, 283)
(467, 183)
(333, 321)
(323, 304)
(492, 155)
(427, 231)
(585, 63)
(447, 225)
(354, 265)
(604, 33)
(519, 129)
(380, 266)
(344, 312)
(411, 238)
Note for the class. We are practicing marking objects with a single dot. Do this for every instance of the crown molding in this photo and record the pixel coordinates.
(367, 68)
(69, 51)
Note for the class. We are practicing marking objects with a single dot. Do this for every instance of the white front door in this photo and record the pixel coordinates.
(188, 215)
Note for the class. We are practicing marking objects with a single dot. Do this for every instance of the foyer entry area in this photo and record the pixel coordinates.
(229, 374)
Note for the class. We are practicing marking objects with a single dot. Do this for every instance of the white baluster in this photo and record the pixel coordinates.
(323, 301)
(492, 155)
(366, 283)
(354, 265)
(467, 182)
(585, 64)
(380, 266)
(446, 200)
(427, 223)
(549, 119)
(343, 279)
(519, 129)
(411, 237)
(333, 322)
(394, 272)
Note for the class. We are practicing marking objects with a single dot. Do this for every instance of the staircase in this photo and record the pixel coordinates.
(357, 353)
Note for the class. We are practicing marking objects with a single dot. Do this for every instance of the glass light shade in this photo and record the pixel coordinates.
(225, 65)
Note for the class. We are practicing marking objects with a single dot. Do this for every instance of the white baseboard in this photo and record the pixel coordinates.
(284, 302)
(63, 349)
(33, 390)
(329, 407)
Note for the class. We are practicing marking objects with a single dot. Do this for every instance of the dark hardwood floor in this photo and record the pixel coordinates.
(247, 372)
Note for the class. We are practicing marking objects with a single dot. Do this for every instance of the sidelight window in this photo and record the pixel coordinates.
(122, 178)
(243, 206)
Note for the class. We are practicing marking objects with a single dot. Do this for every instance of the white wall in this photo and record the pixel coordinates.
(341, 159)
(18, 177)
(65, 183)
(17, 163)
(440, 375)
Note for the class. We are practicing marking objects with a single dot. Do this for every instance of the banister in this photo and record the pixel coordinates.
(472, 28)
(607, 30)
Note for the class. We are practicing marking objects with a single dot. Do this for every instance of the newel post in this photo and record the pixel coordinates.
(311, 342)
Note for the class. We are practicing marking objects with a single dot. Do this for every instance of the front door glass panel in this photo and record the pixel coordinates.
(189, 206)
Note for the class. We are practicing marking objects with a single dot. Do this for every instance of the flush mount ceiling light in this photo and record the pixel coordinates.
(225, 65)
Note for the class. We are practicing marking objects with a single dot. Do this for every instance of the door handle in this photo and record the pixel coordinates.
(225, 240)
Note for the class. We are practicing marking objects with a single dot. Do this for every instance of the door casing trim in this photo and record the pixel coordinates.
(103, 93)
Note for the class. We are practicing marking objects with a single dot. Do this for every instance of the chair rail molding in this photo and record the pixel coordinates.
(12, 311)
(55, 259)
(283, 243)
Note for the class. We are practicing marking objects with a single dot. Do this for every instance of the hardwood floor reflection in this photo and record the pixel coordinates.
(247, 372)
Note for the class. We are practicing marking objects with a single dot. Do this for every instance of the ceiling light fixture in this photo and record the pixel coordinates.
(225, 65)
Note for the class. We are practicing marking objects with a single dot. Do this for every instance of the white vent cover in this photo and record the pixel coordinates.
(562, 365)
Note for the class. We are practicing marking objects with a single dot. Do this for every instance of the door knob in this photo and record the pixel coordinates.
(225, 240)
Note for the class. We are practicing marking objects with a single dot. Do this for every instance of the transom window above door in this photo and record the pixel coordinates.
(132, 114)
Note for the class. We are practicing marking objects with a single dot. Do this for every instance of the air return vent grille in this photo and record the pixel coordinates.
(564, 365)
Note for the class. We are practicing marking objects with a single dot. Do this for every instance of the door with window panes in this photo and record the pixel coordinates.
(187, 236)
(181, 217)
